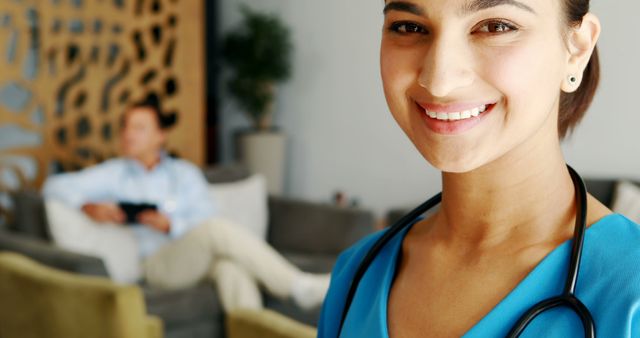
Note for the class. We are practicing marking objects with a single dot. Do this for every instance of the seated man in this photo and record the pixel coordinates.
(179, 239)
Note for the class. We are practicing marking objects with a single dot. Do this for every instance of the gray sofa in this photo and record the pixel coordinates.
(311, 235)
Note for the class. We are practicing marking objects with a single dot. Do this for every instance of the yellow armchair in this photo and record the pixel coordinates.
(247, 323)
(38, 301)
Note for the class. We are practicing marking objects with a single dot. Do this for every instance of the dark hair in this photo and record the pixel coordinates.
(152, 102)
(574, 105)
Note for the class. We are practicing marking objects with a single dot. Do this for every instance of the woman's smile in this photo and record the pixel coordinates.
(453, 118)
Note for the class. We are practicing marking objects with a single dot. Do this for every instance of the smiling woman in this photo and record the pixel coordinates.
(485, 90)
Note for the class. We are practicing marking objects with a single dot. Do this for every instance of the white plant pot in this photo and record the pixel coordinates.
(263, 152)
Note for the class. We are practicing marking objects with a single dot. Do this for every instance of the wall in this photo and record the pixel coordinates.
(68, 69)
(343, 137)
(606, 143)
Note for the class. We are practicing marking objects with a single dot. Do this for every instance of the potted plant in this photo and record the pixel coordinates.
(258, 54)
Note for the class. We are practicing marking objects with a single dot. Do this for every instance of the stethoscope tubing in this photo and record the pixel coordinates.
(567, 298)
(378, 245)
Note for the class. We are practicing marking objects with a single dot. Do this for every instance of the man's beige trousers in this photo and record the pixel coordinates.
(232, 257)
(225, 253)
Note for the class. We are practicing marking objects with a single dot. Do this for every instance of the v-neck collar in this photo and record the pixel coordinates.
(529, 290)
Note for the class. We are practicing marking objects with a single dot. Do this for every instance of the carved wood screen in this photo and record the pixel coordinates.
(68, 68)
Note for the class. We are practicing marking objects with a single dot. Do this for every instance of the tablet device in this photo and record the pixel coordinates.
(131, 210)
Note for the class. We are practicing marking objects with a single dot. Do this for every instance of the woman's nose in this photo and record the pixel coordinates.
(447, 66)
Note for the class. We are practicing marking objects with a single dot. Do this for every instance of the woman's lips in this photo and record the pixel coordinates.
(452, 107)
(453, 119)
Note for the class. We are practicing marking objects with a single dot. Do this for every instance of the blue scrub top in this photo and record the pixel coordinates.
(608, 284)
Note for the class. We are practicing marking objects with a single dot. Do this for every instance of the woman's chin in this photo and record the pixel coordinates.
(451, 164)
(456, 169)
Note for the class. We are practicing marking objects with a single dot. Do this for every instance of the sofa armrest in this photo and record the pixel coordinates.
(48, 254)
(39, 301)
(155, 327)
(246, 323)
(315, 228)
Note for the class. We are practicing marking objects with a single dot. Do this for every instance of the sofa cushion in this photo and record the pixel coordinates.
(601, 189)
(243, 202)
(47, 254)
(289, 308)
(626, 200)
(316, 263)
(226, 173)
(313, 228)
(182, 308)
(203, 329)
(29, 216)
(114, 244)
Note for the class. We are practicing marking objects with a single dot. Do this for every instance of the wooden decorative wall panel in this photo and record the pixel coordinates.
(68, 68)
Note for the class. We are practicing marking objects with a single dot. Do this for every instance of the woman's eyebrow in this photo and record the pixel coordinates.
(403, 7)
(469, 7)
(477, 5)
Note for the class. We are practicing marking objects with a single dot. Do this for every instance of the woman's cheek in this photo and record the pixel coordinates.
(396, 79)
(522, 72)
(400, 68)
(506, 68)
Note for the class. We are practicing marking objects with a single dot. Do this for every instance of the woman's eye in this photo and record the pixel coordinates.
(406, 28)
(497, 27)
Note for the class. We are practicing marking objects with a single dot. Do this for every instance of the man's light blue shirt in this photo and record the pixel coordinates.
(177, 187)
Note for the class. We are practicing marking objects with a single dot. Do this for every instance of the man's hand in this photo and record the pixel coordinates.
(156, 220)
(104, 212)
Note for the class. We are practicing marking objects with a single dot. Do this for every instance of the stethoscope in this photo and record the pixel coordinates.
(567, 298)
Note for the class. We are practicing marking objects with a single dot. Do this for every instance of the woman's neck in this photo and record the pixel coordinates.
(526, 197)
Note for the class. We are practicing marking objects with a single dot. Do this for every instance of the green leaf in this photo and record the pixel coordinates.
(258, 53)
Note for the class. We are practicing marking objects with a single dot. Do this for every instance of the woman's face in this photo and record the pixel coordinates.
(469, 81)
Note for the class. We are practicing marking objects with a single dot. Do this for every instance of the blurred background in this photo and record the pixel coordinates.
(339, 134)
(289, 90)
(344, 138)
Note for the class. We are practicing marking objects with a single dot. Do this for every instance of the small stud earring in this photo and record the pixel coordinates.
(573, 80)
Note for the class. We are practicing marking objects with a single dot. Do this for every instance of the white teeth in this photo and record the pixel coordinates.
(457, 115)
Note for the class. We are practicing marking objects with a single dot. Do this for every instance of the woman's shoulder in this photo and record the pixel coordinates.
(613, 251)
(609, 279)
(341, 277)
(616, 237)
(349, 260)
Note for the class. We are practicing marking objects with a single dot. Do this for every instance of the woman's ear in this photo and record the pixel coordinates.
(581, 42)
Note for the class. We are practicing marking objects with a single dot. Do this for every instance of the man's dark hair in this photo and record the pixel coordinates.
(152, 102)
